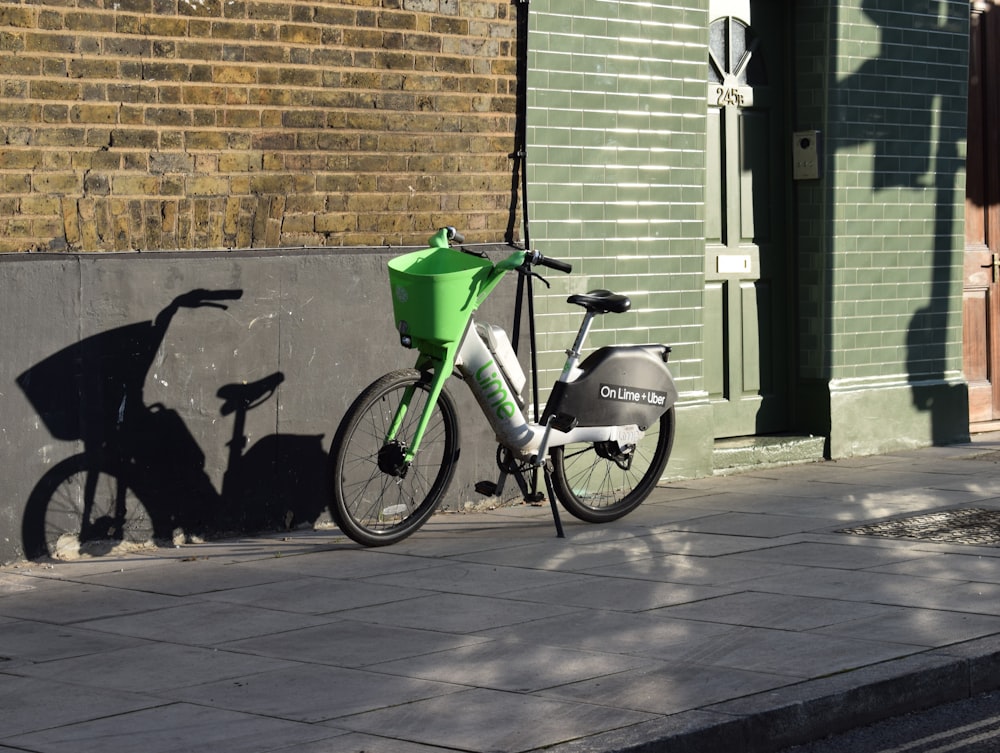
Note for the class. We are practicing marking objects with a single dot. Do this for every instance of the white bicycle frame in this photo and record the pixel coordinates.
(492, 390)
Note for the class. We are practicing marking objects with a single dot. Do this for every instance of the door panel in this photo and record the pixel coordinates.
(715, 357)
(975, 318)
(714, 203)
(751, 326)
(755, 176)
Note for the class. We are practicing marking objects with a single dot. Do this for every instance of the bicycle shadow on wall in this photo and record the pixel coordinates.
(141, 478)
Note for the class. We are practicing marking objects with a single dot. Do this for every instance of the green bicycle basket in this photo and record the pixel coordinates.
(434, 292)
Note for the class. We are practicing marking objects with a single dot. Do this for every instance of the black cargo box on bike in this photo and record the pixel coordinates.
(622, 385)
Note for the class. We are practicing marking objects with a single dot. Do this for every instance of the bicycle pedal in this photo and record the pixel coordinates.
(486, 488)
(534, 499)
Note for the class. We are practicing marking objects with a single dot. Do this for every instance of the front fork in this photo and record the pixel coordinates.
(442, 368)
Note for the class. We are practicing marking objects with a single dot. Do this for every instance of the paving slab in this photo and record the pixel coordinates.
(729, 613)
(183, 579)
(667, 688)
(618, 595)
(310, 693)
(347, 643)
(356, 742)
(978, 567)
(457, 613)
(177, 728)
(30, 704)
(919, 627)
(694, 570)
(42, 644)
(314, 595)
(844, 555)
(66, 603)
(513, 666)
(489, 720)
(777, 611)
(203, 623)
(154, 668)
(474, 579)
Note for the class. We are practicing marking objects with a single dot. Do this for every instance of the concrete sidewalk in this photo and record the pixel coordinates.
(727, 614)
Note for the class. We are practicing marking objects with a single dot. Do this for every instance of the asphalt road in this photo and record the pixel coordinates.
(970, 726)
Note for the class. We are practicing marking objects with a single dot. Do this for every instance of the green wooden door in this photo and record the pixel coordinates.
(745, 229)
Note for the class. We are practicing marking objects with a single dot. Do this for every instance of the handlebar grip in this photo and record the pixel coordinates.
(454, 235)
(559, 266)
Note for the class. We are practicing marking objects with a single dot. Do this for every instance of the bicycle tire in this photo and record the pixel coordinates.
(59, 522)
(599, 483)
(375, 507)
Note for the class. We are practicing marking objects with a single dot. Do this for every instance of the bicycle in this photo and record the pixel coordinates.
(601, 444)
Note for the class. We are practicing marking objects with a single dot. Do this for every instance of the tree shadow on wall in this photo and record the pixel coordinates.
(140, 479)
(901, 112)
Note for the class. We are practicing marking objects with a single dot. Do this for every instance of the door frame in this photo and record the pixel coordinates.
(784, 308)
(981, 254)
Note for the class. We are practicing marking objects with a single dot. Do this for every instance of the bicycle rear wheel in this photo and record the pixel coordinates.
(603, 481)
(377, 499)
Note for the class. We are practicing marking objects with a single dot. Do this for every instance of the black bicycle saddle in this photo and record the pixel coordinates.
(602, 302)
(246, 396)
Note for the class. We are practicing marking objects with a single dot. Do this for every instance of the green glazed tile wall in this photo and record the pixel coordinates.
(881, 237)
(616, 144)
(616, 166)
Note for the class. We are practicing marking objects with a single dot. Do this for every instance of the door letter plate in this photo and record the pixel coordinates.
(731, 264)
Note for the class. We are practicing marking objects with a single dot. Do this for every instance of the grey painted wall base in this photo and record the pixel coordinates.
(869, 418)
(692, 453)
(95, 358)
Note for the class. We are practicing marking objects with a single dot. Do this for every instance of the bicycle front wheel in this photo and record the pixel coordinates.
(604, 481)
(377, 499)
(84, 508)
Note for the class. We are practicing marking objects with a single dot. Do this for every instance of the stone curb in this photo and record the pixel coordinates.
(798, 714)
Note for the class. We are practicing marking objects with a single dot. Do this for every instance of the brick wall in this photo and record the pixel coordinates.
(188, 124)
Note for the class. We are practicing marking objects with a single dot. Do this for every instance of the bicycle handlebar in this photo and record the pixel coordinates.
(534, 257)
(531, 258)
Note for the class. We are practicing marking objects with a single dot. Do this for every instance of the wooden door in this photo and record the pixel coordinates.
(745, 243)
(981, 307)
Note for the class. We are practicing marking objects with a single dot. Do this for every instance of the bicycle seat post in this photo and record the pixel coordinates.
(572, 359)
(573, 355)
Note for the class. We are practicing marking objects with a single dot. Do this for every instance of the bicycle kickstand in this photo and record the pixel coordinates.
(552, 501)
(489, 489)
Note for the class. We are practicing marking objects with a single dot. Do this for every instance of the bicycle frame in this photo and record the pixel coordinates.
(514, 431)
